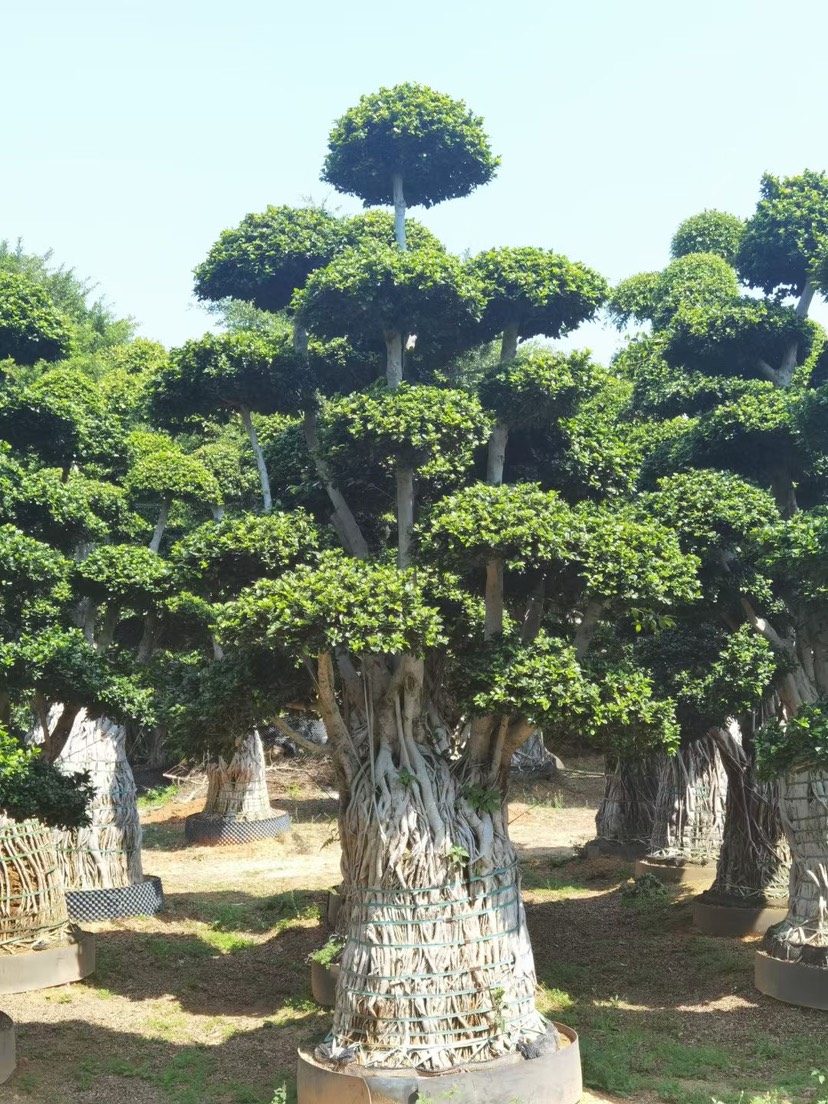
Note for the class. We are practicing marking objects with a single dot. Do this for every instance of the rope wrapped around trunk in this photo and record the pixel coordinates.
(32, 905)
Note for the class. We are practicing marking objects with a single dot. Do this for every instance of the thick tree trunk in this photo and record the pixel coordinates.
(754, 862)
(803, 934)
(264, 478)
(689, 816)
(494, 599)
(107, 853)
(32, 902)
(627, 811)
(437, 968)
(239, 788)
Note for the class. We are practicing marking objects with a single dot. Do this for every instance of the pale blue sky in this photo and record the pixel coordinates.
(134, 131)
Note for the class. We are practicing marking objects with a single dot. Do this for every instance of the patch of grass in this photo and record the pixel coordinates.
(554, 1000)
(164, 837)
(227, 942)
(156, 797)
(27, 1082)
(718, 956)
(178, 948)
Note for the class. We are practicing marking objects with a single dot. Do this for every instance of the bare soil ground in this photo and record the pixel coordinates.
(207, 1002)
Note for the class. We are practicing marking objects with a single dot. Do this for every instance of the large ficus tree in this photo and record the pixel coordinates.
(458, 614)
(737, 359)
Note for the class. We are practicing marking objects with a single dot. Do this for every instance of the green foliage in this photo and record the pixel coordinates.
(541, 681)
(633, 299)
(795, 552)
(799, 744)
(700, 280)
(124, 574)
(787, 233)
(268, 256)
(645, 892)
(734, 340)
(710, 672)
(338, 602)
(32, 788)
(483, 799)
(222, 373)
(33, 582)
(161, 470)
(537, 291)
(31, 329)
(538, 387)
(377, 227)
(715, 513)
(367, 292)
(329, 953)
(221, 558)
(434, 142)
(716, 232)
(632, 714)
(521, 525)
(430, 429)
(62, 418)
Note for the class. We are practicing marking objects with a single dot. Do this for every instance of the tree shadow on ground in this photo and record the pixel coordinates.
(78, 1062)
(211, 972)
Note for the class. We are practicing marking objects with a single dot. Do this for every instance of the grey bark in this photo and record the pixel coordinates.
(344, 521)
(399, 210)
(496, 458)
(509, 342)
(627, 810)
(493, 625)
(264, 478)
(394, 358)
(688, 825)
(405, 516)
(160, 525)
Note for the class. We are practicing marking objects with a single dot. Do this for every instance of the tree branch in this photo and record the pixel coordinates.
(343, 521)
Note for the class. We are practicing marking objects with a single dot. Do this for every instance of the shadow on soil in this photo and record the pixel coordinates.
(100, 1066)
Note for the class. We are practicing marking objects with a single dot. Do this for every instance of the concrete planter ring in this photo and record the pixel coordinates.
(201, 828)
(736, 920)
(678, 873)
(8, 1049)
(791, 982)
(553, 1078)
(57, 965)
(142, 899)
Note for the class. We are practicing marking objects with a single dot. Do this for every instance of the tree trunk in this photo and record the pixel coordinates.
(690, 805)
(264, 479)
(405, 516)
(239, 788)
(107, 853)
(493, 625)
(344, 521)
(32, 902)
(160, 525)
(393, 359)
(509, 343)
(437, 968)
(754, 862)
(497, 454)
(399, 210)
(803, 934)
(627, 811)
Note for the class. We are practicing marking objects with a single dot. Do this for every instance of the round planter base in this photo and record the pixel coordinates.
(554, 1078)
(200, 828)
(8, 1049)
(60, 965)
(611, 849)
(791, 982)
(324, 980)
(686, 874)
(734, 920)
(142, 899)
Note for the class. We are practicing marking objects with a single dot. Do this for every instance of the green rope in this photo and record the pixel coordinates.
(446, 1031)
(412, 996)
(424, 946)
(431, 889)
(439, 920)
(419, 977)
(438, 904)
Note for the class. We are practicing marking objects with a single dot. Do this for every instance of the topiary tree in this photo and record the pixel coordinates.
(31, 328)
(430, 672)
(410, 146)
(762, 360)
(711, 231)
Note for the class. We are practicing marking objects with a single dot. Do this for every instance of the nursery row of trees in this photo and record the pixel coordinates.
(382, 493)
